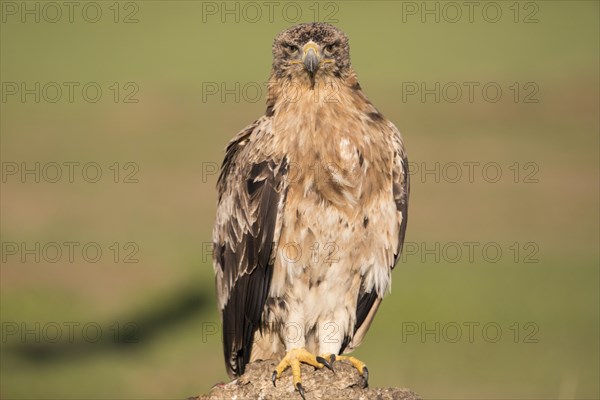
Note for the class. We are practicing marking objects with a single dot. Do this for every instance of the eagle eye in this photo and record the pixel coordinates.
(328, 50)
(290, 48)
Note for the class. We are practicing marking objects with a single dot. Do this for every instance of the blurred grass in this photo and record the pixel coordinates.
(171, 134)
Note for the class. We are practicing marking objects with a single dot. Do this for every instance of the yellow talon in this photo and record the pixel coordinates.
(292, 359)
(356, 363)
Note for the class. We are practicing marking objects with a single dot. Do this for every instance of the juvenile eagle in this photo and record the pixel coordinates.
(311, 215)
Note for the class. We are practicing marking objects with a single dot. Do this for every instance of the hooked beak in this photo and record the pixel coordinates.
(311, 57)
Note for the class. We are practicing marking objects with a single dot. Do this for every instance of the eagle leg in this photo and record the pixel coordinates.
(356, 363)
(292, 359)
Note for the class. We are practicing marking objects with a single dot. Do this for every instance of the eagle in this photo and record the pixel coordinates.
(311, 213)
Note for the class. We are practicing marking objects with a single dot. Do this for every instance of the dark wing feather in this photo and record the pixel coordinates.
(365, 303)
(401, 195)
(368, 302)
(251, 196)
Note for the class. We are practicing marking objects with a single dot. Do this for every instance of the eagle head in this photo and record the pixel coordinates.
(311, 50)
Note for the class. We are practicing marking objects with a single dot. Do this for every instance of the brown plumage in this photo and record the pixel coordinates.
(312, 208)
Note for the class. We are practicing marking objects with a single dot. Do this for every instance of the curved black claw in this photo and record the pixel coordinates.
(300, 390)
(366, 376)
(325, 363)
(274, 378)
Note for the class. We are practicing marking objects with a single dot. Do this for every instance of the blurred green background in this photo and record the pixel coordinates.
(158, 316)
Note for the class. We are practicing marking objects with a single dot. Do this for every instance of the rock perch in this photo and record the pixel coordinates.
(345, 383)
